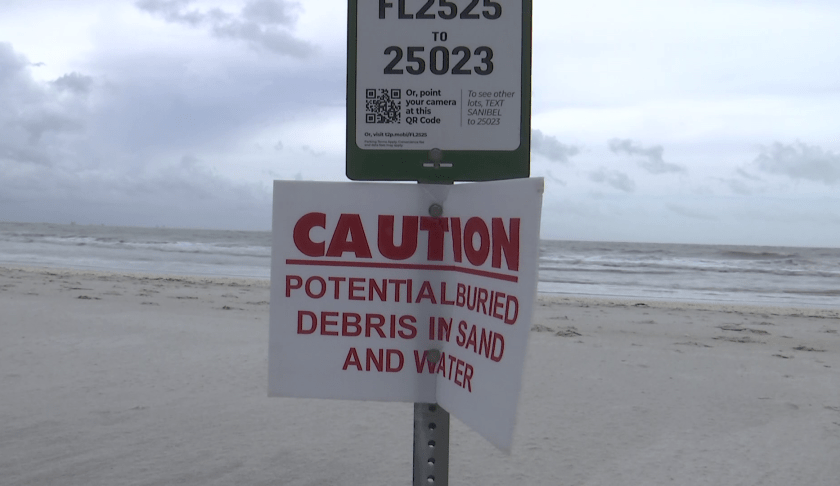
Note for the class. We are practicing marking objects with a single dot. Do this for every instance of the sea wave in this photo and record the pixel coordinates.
(742, 273)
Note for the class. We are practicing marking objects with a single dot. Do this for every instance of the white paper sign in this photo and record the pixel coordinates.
(367, 288)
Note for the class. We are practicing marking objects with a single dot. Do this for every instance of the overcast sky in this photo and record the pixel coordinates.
(689, 121)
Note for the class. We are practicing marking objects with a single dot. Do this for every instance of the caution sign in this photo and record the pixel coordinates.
(413, 293)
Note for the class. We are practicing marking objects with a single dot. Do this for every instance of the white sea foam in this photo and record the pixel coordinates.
(736, 274)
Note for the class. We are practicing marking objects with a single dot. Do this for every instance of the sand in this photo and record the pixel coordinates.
(111, 379)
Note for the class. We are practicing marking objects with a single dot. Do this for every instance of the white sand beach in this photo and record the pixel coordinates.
(113, 379)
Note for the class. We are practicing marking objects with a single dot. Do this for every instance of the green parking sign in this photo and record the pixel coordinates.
(438, 90)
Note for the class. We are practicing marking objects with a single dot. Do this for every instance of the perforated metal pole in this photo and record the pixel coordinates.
(431, 445)
(431, 421)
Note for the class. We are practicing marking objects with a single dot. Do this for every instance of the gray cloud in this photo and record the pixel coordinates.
(35, 120)
(173, 11)
(11, 63)
(800, 161)
(653, 161)
(75, 83)
(554, 178)
(690, 213)
(616, 179)
(313, 152)
(22, 155)
(183, 193)
(737, 186)
(153, 108)
(262, 24)
(271, 12)
(746, 175)
(60, 160)
(44, 121)
(552, 148)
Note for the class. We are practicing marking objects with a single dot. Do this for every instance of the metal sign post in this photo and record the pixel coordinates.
(438, 92)
(431, 445)
(431, 428)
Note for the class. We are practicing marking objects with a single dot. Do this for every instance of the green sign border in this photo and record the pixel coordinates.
(467, 165)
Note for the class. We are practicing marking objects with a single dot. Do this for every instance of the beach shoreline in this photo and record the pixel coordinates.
(114, 378)
(571, 299)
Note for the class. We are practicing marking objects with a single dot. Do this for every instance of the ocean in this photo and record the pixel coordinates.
(761, 275)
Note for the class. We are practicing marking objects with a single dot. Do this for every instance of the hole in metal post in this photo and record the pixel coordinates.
(432, 426)
(430, 480)
(432, 408)
(431, 444)
(431, 461)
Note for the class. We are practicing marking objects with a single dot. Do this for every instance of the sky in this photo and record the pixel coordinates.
(667, 121)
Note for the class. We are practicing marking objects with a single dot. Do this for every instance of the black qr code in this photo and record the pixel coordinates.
(383, 105)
